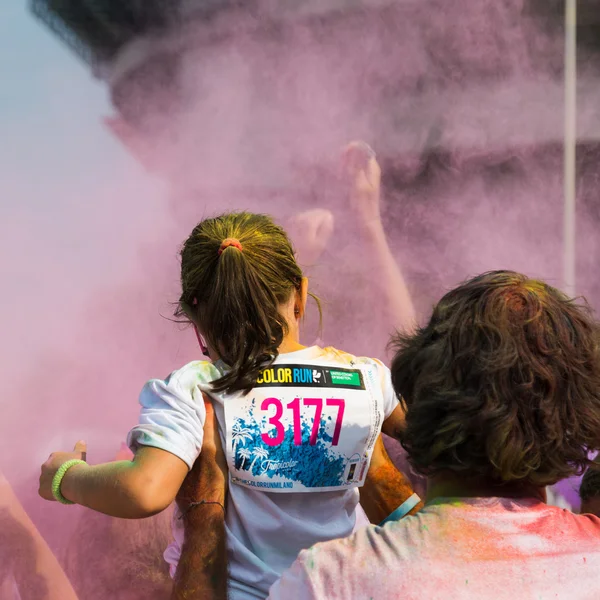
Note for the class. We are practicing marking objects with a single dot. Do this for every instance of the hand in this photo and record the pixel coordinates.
(310, 232)
(209, 477)
(54, 462)
(362, 176)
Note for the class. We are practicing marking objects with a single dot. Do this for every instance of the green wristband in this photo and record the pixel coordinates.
(58, 477)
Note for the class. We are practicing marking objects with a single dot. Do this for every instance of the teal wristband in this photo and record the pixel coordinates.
(403, 509)
(58, 477)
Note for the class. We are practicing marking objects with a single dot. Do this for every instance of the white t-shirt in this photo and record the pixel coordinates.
(460, 548)
(265, 529)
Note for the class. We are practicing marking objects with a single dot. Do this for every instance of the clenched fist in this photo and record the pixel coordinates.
(311, 231)
(54, 462)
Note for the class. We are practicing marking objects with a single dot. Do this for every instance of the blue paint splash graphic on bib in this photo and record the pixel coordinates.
(312, 466)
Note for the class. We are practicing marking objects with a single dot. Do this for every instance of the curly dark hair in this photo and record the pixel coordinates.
(590, 483)
(502, 384)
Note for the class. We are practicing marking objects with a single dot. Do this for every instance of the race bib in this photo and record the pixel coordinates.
(305, 427)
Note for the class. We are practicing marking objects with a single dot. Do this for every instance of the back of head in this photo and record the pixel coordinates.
(503, 383)
(236, 271)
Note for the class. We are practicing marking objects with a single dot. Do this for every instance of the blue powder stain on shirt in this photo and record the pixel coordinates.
(313, 466)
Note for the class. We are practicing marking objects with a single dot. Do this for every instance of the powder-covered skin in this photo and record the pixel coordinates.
(465, 549)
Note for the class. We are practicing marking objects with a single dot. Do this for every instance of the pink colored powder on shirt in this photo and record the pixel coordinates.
(464, 549)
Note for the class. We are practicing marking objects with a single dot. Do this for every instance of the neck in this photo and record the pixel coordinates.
(290, 343)
(448, 485)
(291, 340)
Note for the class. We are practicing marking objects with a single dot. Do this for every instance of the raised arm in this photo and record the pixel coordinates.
(364, 188)
(202, 569)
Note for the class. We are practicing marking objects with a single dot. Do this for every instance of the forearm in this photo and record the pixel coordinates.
(36, 571)
(117, 489)
(42, 577)
(385, 489)
(202, 569)
(386, 277)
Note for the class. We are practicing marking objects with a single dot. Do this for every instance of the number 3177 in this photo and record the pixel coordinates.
(294, 406)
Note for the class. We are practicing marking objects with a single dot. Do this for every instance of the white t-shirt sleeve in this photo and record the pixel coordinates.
(173, 414)
(390, 400)
(295, 583)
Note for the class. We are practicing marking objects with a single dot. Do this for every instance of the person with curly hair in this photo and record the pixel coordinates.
(502, 397)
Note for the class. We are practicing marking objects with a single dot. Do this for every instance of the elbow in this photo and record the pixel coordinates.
(147, 498)
(147, 507)
(150, 503)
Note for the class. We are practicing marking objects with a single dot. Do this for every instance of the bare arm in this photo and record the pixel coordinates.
(385, 488)
(388, 279)
(24, 551)
(202, 569)
(364, 176)
(395, 423)
(129, 489)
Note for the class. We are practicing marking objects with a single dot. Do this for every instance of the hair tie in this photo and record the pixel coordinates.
(230, 242)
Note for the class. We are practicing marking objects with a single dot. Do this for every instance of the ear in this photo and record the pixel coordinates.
(302, 297)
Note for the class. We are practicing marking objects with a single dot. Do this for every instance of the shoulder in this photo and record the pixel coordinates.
(373, 367)
(584, 525)
(352, 359)
(183, 385)
(350, 562)
(195, 373)
(345, 554)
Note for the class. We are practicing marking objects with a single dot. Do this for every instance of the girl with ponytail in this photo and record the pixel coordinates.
(299, 424)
